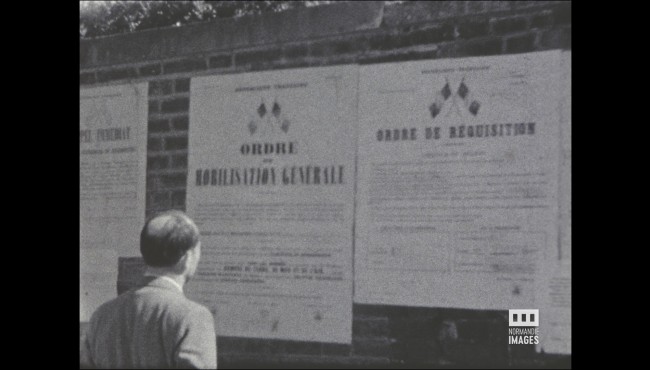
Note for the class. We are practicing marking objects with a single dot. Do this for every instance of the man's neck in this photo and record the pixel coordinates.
(179, 279)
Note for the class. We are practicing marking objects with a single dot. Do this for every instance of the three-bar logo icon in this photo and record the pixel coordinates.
(521, 317)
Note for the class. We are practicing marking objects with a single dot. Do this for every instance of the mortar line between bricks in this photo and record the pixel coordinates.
(167, 152)
(175, 137)
(169, 116)
(167, 171)
(167, 189)
(156, 117)
(168, 97)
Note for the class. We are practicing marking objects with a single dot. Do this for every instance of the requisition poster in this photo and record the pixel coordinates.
(112, 165)
(270, 185)
(457, 181)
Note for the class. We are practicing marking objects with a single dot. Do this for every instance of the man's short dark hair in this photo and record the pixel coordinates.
(167, 243)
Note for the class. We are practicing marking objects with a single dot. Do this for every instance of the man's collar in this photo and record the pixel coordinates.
(166, 278)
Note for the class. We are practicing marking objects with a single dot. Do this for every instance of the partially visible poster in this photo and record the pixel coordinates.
(98, 276)
(555, 293)
(130, 273)
(112, 165)
(271, 187)
(555, 311)
(565, 169)
(457, 181)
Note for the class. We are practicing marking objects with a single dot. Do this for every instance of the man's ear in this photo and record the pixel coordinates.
(184, 263)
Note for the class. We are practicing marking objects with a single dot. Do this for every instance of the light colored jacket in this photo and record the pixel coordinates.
(153, 326)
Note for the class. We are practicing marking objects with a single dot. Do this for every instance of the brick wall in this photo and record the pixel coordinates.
(345, 33)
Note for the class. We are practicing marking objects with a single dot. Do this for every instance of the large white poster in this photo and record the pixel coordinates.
(112, 166)
(457, 181)
(270, 185)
